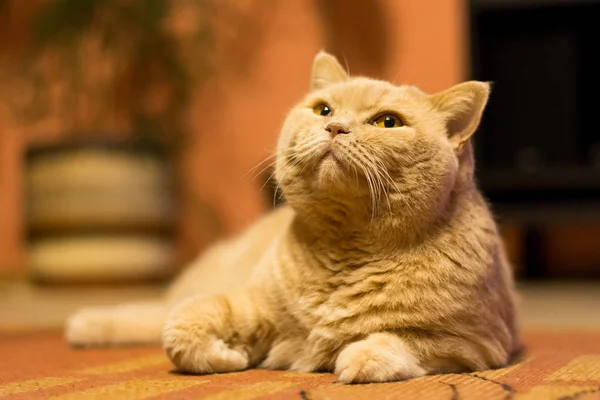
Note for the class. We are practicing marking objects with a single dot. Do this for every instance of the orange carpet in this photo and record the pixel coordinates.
(39, 365)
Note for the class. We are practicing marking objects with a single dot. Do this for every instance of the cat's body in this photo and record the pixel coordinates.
(385, 265)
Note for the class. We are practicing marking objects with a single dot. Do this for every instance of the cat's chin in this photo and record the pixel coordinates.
(331, 174)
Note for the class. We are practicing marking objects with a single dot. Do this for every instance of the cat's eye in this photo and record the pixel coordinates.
(322, 109)
(388, 121)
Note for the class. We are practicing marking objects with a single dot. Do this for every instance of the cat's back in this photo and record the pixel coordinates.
(227, 265)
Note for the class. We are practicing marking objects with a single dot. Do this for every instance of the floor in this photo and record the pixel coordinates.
(561, 334)
(561, 365)
(556, 305)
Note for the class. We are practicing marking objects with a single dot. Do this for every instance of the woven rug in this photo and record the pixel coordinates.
(39, 365)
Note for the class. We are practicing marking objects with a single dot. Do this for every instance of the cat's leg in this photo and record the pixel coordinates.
(134, 323)
(381, 357)
(217, 334)
(284, 353)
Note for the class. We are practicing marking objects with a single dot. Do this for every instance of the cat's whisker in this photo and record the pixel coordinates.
(362, 163)
(356, 160)
(377, 187)
(353, 163)
(371, 190)
(397, 76)
(251, 170)
(377, 204)
(303, 169)
(277, 188)
(280, 193)
(375, 180)
(270, 149)
(259, 173)
(273, 163)
(384, 172)
(299, 156)
(275, 194)
(346, 64)
(385, 180)
(380, 184)
(307, 147)
(267, 181)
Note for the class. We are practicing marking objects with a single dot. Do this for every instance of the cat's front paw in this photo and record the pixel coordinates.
(379, 358)
(90, 327)
(192, 348)
(203, 355)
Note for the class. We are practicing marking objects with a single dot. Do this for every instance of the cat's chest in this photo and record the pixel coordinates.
(317, 284)
(330, 294)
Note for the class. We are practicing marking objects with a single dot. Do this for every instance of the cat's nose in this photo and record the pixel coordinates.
(337, 128)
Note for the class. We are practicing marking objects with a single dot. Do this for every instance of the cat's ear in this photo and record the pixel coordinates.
(326, 70)
(463, 106)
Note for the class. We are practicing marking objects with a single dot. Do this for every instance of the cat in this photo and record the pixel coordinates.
(384, 264)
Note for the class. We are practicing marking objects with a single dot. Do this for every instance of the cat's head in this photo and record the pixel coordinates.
(380, 145)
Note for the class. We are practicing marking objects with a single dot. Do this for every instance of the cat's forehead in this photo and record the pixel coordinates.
(364, 93)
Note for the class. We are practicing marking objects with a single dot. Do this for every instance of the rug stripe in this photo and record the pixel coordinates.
(251, 392)
(131, 390)
(557, 392)
(127, 365)
(34, 384)
(498, 373)
(583, 368)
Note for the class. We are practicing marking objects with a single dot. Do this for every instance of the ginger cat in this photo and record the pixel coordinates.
(385, 264)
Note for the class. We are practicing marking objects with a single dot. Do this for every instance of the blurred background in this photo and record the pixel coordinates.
(132, 132)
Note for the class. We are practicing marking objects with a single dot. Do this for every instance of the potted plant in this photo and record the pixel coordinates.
(119, 75)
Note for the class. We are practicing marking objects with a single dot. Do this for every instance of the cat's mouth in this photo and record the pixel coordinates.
(330, 154)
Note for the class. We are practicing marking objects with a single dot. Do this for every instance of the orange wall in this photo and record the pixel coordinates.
(237, 116)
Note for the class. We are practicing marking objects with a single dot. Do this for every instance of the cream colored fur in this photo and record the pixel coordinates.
(385, 264)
